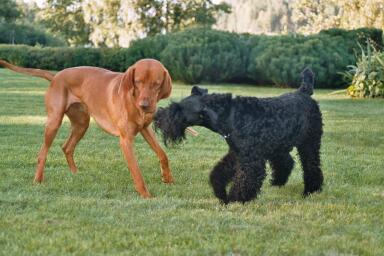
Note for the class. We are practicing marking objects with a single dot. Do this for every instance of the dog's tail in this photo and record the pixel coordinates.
(307, 81)
(28, 71)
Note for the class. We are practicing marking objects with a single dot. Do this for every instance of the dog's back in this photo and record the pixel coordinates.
(287, 118)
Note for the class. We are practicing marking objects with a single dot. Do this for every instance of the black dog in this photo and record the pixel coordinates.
(256, 130)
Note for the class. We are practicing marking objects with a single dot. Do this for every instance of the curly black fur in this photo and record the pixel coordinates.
(171, 120)
(257, 130)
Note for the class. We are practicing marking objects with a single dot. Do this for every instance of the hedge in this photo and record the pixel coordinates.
(28, 35)
(204, 55)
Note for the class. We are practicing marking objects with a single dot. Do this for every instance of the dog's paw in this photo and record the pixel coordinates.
(146, 195)
(38, 179)
(143, 192)
(168, 179)
(278, 183)
(236, 196)
(241, 195)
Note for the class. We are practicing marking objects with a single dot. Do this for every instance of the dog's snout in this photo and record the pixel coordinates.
(144, 104)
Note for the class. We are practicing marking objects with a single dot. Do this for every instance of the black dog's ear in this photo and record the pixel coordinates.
(196, 90)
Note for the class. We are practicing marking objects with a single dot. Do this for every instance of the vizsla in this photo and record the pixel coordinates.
(123, 104)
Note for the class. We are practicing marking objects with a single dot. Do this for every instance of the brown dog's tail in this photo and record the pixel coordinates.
(28, 71)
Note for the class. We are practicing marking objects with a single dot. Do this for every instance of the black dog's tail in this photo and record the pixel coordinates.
(307, 81)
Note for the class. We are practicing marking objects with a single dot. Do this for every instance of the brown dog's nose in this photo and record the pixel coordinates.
(144, 104)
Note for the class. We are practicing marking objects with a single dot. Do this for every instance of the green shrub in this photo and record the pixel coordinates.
(280, 59)
(367, 77)
(198, 54)
(52, 58)
(28, 35)
(359, 35)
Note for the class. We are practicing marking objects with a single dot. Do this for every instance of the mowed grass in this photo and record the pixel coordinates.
(97, 211)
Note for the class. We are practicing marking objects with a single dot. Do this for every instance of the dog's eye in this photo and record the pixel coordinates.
(203, 113)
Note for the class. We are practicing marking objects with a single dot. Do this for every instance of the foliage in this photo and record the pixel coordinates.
(281, 59)
(27, 34)
(300, 16)
(65, 17)
(258, 17)
(199, 54)
(9, 11)
(16, 27)
(203, 55)
(313, 16)
(111, 22)
(165, 16)
(360, 35)
(367, 77)
(115, 23)
(53, 58)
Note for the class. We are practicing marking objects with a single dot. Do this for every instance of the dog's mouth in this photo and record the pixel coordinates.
(149, 111)
(174, 137)
(170, 125)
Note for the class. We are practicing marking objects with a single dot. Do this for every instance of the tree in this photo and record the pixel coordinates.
(315, 15)
(18, 26)
(258, 17)
(66, 17)
(117, 22)
(112, 22)
(163, 16)
(9, 11)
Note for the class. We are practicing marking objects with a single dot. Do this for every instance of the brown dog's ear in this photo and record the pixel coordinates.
(127, 82)
(166, 87)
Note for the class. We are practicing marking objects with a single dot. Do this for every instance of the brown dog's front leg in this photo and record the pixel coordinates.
(150, 137)
(126, 146)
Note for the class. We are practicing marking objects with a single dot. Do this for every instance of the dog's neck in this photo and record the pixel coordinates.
(225, 117)
(226, 127)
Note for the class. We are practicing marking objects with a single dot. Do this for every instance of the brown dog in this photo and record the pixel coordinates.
(122, 104)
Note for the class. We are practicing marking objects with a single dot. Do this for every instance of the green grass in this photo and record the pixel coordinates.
(98, 212)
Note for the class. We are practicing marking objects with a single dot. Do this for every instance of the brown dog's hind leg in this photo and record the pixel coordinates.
(150, 137)
(51, 128)
(79, 117)
(55, 105)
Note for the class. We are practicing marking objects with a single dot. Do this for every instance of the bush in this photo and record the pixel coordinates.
(200, 54)
(359, 35)
(28, 35)
(367, 77)
(280, 59)
(52, 58)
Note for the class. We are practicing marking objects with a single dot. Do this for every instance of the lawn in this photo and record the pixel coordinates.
(97, 211)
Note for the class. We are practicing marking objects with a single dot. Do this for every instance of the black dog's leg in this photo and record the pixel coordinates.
(248, 180)
(222, 174)
(309, 152)
(282, 165)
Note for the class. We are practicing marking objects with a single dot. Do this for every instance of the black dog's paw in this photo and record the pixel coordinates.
(224, 201)
(278, 183)
(236, 195)
(222, 196)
